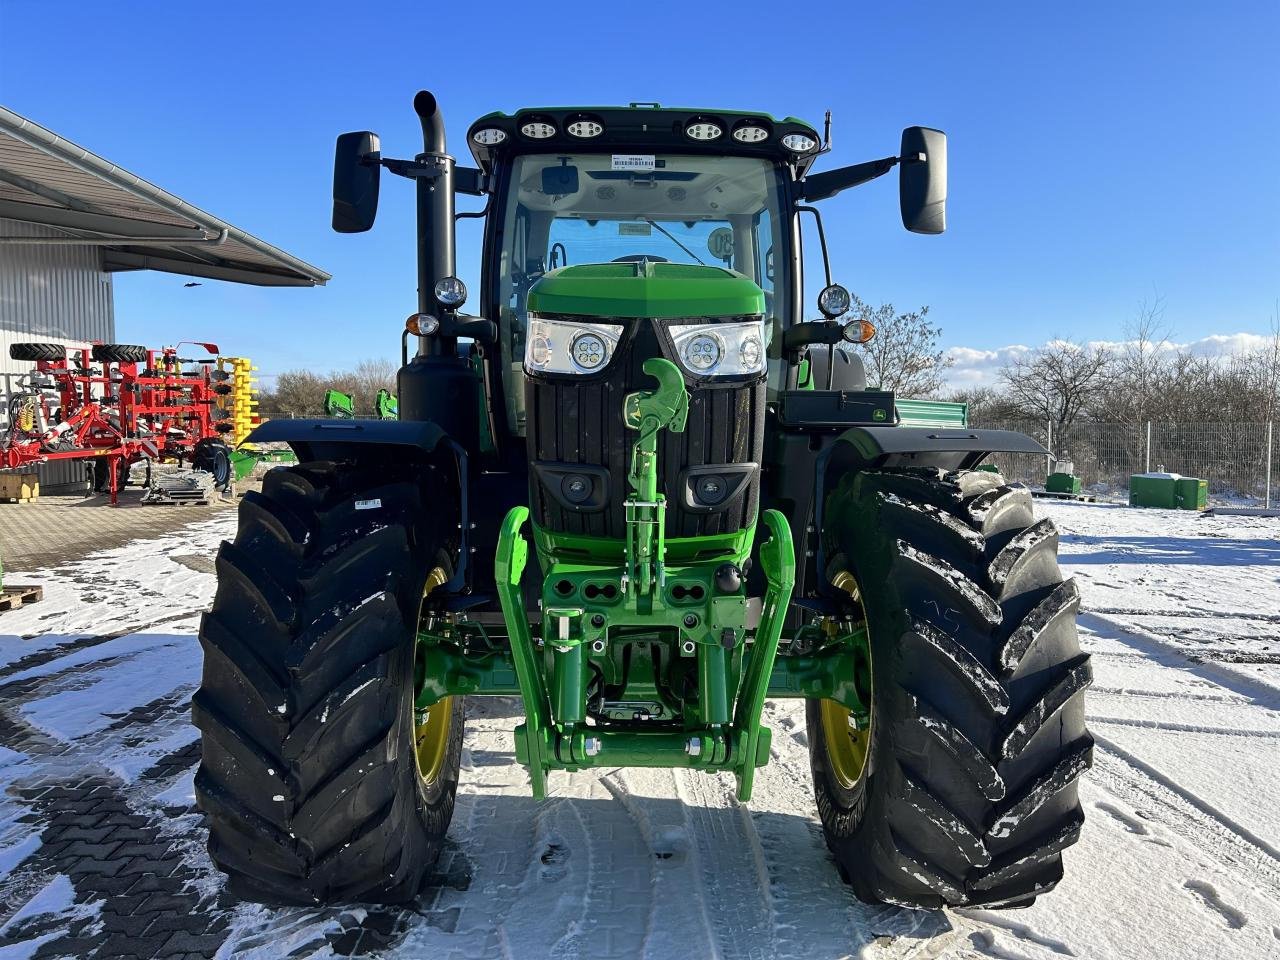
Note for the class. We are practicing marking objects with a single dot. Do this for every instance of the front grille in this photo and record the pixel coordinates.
(577, 421)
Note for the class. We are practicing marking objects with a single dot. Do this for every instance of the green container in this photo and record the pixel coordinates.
(1062, 483)
(1168, 491)
(932, 413)
(1193, 494)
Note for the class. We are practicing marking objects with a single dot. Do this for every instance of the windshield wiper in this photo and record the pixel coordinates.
(670, 237)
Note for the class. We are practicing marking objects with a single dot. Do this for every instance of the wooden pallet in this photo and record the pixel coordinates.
(13, 597)
(1078, 497)
(17, 499)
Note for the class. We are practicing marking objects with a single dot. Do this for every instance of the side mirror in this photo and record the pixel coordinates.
(922, 183)
(355, 181)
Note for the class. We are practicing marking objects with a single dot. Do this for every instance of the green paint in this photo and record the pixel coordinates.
(1062, 483)
(386, 406)
(932, 413)
(244, 459)
(645, 289)
(649, 412)
(339, 404)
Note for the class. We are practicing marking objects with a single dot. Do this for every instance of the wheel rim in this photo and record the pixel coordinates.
(847, 747)
(431, 728)
(431, 739)
(848, 741)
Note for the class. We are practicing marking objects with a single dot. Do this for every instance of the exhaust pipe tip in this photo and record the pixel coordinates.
(428, 111)
(424, 104)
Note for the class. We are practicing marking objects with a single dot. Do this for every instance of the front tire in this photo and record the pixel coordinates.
(310, 777)
(968, 794)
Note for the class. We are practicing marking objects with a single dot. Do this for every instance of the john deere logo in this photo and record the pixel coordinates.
(879, 415)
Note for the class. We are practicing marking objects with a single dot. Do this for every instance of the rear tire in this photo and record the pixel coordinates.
(309, 777)
(32, 352)
(969, 792)
(119, 353)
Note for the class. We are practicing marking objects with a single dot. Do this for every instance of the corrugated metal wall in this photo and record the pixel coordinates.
(49, 294)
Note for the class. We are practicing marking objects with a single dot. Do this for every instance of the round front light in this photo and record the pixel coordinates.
(834, 301)
(540, 350)
(799, 142)
(538, 129)
(589, 350)
(702, 352)
(750, 352)
(450, 292)
(489, 136)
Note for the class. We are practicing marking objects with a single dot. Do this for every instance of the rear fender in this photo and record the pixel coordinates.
(384, 440)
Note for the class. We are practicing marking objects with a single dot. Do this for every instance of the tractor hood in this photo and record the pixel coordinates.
(645, 289)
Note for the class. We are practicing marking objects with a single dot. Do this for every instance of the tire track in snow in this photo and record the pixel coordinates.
(1161, 652)
(731, 860)
(675, 878)
(1207, 894)
(1140, 785)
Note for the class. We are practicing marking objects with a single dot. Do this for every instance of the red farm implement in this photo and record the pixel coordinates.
(113, 405)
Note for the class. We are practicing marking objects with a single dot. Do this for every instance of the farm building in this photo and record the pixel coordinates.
(69, 220)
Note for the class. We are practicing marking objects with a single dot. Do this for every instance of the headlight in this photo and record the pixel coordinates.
(720, 349)
(834, 301)
(450, 292)
(559, 346)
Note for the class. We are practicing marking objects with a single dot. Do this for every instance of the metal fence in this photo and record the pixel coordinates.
(1241, 461)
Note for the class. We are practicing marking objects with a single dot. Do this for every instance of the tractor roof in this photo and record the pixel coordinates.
(643, 128)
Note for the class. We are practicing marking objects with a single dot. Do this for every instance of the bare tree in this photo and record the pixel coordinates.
(300, 393)
(904, 356)
(1143, 363)
(1057, 381)
(986, 404)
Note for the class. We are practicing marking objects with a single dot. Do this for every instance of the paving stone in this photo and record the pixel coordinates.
(91, 851)
(205, 944)
(106, 868)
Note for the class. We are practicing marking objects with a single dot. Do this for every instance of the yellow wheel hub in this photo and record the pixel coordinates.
(847, 747)
(431, 739)
(431, 731)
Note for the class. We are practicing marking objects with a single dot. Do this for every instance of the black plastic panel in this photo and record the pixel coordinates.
(578, 420)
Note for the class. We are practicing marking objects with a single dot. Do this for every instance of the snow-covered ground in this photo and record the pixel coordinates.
(1180, 857)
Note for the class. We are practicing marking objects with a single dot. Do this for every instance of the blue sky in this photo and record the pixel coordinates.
(1100, 153)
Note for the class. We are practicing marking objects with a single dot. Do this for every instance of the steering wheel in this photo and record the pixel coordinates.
(637, 257)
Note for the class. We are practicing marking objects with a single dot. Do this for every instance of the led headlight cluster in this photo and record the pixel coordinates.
(558, 346)
(720, 349)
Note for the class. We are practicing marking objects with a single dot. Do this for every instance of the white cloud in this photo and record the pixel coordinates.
(981, 368)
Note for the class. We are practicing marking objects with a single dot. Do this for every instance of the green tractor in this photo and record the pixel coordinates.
(720, 511)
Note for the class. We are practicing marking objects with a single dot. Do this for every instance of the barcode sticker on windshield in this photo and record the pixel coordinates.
(369, 504)
(635, 230)
(634, 161)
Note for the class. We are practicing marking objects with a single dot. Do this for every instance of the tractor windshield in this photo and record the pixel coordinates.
(563, 210)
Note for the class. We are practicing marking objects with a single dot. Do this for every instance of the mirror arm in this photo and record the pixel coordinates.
(410, 169)
(820, 186)
(466, 179)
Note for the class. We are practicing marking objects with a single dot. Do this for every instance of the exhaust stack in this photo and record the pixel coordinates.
(436, 259)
